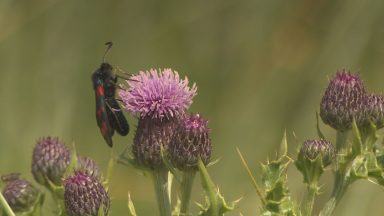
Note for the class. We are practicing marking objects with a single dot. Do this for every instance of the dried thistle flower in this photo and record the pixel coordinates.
(49, 160)
(343, 100)
(190, 141)
(85, 195)
(152, 135)
(20, 194)
(157, 94)
(311, 149)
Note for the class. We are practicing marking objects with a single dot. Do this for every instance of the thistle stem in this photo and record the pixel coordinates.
(160, 179)
(341, 139)
(186, 189)
(310, 199)
(6, 206)
(341, 181)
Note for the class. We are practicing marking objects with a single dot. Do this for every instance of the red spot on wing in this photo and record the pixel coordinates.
(104, 129)
(100, 112)
(100, 90)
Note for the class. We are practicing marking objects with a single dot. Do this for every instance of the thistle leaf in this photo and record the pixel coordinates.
(215, 202)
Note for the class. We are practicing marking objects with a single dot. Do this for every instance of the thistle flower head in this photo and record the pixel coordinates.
(20, 194)
(152, 135)
(49, 160)
(157, 94)
(190, 142)
(374, 109)
(84, 195)
(343, 100)
(89, 166)
(311, 149)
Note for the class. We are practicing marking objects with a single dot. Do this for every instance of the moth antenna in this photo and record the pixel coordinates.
(109, 46)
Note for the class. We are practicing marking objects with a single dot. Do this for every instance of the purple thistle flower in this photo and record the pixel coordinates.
(20, 194)
(190, 141)
(85, 195)
(151, 135)
(157, 94)
(311, 149)
(343, 100)
(50, 160)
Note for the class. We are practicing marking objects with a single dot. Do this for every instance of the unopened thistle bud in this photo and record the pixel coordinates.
(89, 166)
(49, 160)
(152, 135)
(20, 194)
(343, 101)
(85, 195)
(190, 142)
(312, 149)
(374, 110)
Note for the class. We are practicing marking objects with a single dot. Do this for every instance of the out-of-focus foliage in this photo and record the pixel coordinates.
(260, 66)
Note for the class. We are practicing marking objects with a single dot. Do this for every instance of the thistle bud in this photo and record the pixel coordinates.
(85, 195)
(374, 110)
(20, 194)
(343, 101)
(190, 142)
(89, 166)
(313, 157)
(311, 149)
(152, 134)
(49, 160)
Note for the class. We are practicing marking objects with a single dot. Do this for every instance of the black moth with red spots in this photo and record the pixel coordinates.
(109, 115)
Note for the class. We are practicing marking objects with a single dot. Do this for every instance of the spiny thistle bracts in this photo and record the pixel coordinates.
(311, 149)
(85, 195)
(50, 160)
(190, 142)
(20, 194)
(374, 110)
(152, 135)
(343, 101)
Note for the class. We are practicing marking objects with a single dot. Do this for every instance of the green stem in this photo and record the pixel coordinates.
(310, 199)
(186, 189)
(160, 178)
(209, 187)
(6, 206)
(341, 181)
(341, 139)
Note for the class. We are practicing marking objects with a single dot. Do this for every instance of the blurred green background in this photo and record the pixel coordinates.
(261, 67)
